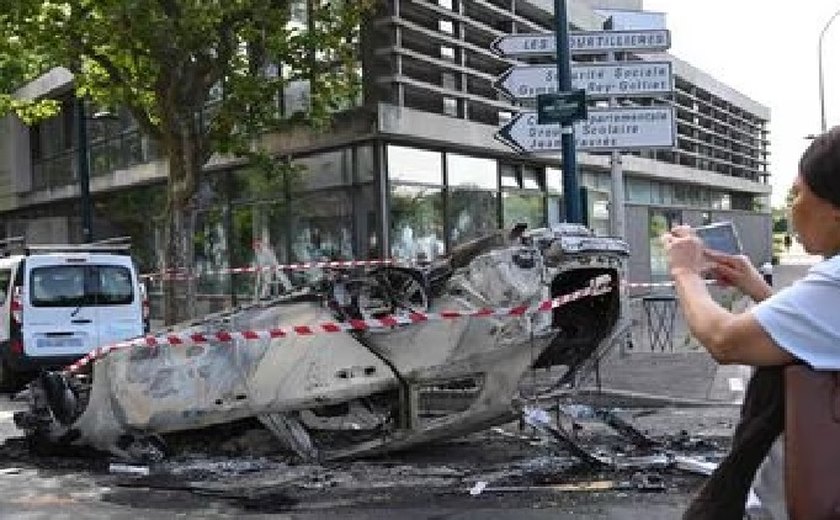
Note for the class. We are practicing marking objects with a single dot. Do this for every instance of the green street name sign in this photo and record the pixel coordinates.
(563, 108)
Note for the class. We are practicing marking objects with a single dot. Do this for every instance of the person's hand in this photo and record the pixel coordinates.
(684, 251)
(738, 271)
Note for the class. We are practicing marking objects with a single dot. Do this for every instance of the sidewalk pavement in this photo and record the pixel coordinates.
(684, 371)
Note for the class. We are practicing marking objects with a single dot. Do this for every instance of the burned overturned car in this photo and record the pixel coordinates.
(358, 363)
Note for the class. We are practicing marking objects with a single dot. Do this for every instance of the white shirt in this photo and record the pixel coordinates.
(803, 319)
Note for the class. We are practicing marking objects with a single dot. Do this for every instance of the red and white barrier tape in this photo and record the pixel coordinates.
(282, 267)
(652, 285)
(598, 286)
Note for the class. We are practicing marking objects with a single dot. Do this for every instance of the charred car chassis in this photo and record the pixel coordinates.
(364, 391)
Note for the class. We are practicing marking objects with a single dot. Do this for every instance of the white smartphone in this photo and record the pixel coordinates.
(720, 236)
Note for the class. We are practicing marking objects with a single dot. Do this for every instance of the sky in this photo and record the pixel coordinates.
(767, 50)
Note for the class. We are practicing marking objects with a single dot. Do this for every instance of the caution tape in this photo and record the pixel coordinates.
(300, 266)
(652, 285)
(597, 286)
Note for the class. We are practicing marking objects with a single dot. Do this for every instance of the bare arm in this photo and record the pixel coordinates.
(738, 271)
(729, 338)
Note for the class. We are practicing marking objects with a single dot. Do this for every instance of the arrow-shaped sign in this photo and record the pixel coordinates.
(605, 129)
(583, 42)
(626, 78)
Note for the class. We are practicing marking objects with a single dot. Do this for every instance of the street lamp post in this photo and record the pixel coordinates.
(84, 171)
(83, 160)
(820, 53)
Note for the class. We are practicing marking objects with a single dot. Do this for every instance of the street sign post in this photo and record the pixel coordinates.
(613, 129)
(599, 80)
(605, 129)
(561, 109)
(583, 42)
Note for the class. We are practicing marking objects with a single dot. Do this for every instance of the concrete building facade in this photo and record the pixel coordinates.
(413, 170)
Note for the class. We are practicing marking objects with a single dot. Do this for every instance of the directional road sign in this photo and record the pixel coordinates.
(606, 129)
(625, 78)
(564, 108)
(583, 42)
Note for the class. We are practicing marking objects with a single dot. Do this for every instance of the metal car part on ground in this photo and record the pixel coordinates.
(359, 392)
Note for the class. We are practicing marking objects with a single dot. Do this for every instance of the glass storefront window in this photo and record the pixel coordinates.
(364, 163)
(416, 223)
(210, 248)
(660, 222)
(531, 179)
(527, 208)
(471, 172)
(510, 178)
(324, 170)
(250, 184)
(366, 202)
(414, 165)
(321, 226)
(473, 214)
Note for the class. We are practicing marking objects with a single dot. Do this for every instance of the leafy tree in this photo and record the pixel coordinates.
(201, 77)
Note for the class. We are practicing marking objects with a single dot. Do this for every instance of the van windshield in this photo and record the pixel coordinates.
(74, 285)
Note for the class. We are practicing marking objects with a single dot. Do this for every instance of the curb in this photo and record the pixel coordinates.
(617, 398)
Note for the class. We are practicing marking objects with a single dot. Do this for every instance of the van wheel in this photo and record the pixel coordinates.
(8, 378)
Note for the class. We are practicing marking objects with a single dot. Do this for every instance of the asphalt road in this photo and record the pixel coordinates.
(432, 483)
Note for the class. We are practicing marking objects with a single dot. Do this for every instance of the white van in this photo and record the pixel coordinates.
(60, 302)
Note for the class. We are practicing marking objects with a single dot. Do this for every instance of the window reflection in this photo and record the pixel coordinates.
(473, 200)
(324, 170)
(322, 226)
(416, 223)
(474, 214)
(471, 172)
(660, 222)
(527, 208)
(414, 165)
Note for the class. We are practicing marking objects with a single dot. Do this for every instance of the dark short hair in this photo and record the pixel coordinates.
(819, 166)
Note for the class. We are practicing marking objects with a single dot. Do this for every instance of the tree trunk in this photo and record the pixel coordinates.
(179, 282)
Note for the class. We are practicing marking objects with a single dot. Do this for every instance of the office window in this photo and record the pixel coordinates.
(447, 53)
(638, 190)
(450, 106)
(446, 26)
(447, 80)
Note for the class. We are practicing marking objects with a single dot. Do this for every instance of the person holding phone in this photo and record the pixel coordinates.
(798, 323)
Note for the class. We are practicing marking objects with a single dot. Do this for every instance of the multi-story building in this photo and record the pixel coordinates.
(414, 169)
